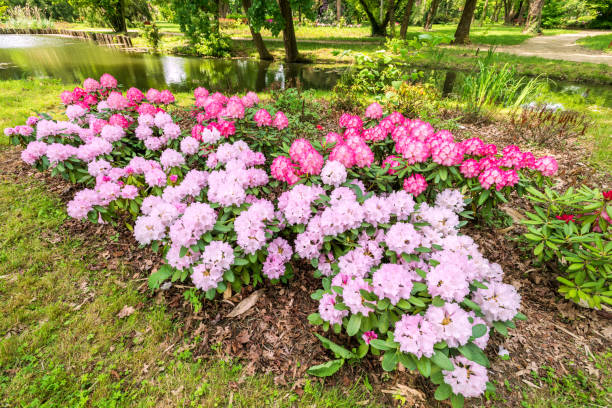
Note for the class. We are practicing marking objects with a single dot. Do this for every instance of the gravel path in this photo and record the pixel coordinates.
(560, 47)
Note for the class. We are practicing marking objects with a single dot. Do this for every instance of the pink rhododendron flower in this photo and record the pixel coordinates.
(344, 154)
(91, 85)
(415, 335)
(546, 165)
(280, 121)
(134, 95)
(262, 118)
(468, 378)
(108, 81)
(374, 111)
(470, 168)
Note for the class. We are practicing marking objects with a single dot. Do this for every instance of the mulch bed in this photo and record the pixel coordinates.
(274, 335)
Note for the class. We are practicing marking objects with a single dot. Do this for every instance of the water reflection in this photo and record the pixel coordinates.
(73, 60)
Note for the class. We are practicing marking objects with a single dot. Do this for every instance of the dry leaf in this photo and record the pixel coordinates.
(246, 304)
(125, 312)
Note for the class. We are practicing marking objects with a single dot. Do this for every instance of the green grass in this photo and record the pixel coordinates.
(598, 42)
(489, 34)
(62, 344)
(572, 389)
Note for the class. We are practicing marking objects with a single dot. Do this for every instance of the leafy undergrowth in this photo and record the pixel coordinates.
(72, 335)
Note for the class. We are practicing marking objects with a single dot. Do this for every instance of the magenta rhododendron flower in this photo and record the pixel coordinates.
(546, 165)
(415, 184)
(369, 336)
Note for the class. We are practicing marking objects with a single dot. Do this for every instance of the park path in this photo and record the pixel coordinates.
(560, 47)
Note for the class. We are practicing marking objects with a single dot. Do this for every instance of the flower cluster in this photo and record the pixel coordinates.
(396, 274)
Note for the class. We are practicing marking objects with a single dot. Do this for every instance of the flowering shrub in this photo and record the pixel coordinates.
(573, 230)
(369, 207)
(392, 152)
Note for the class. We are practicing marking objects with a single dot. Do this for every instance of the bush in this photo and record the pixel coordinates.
(572, 230)
(382, 231)
(412, 100)
(547, 125)
(214, 45)
(151, 35)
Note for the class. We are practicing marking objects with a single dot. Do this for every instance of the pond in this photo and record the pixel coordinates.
(72, 60)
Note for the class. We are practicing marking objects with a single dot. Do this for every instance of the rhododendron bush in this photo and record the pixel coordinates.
(231, 197)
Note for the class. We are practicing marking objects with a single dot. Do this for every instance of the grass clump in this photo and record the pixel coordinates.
(598, 42)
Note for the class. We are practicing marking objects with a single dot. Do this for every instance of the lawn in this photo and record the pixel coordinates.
(598, 42)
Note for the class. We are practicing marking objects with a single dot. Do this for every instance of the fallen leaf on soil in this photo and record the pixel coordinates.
(246, 304)
(125, 312)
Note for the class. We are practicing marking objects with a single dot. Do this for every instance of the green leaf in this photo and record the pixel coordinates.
(326, 369)
(475, 354)
(443, 392)
(335, 348)
(520, 316)
(457, 401)
(315, 319)
(390, 359)
(501, 329)
(441, 360)
(424, 366)
(156, 278)
(479, 330)
(381, 345)
(353, 325)
(407, 361)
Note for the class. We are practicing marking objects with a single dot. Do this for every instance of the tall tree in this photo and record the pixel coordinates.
(431, 14)
(406, 19)
(533, 24)
(262, 50)
(338, 10)
(462, 34)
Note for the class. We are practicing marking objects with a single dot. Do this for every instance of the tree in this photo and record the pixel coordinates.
(263, 52)
(533, 24)
(462, 34)
(338, 10)
(433, 9)
(112, 12)
(406, 19)
(483, 15)
(379, 25)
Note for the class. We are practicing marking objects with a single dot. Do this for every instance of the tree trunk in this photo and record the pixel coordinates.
(376, 29)
(338, 10)
(533, 24)
(483, 16)
(519, 18)
(116, 18)
(262, 50)
(431, 14)
(406, 19)
(392, 17)
(291, 49)
(495, 16)
(462, 35)
(516, 11)
(507, 12)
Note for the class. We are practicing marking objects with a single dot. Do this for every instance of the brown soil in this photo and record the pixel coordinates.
(275, 334)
